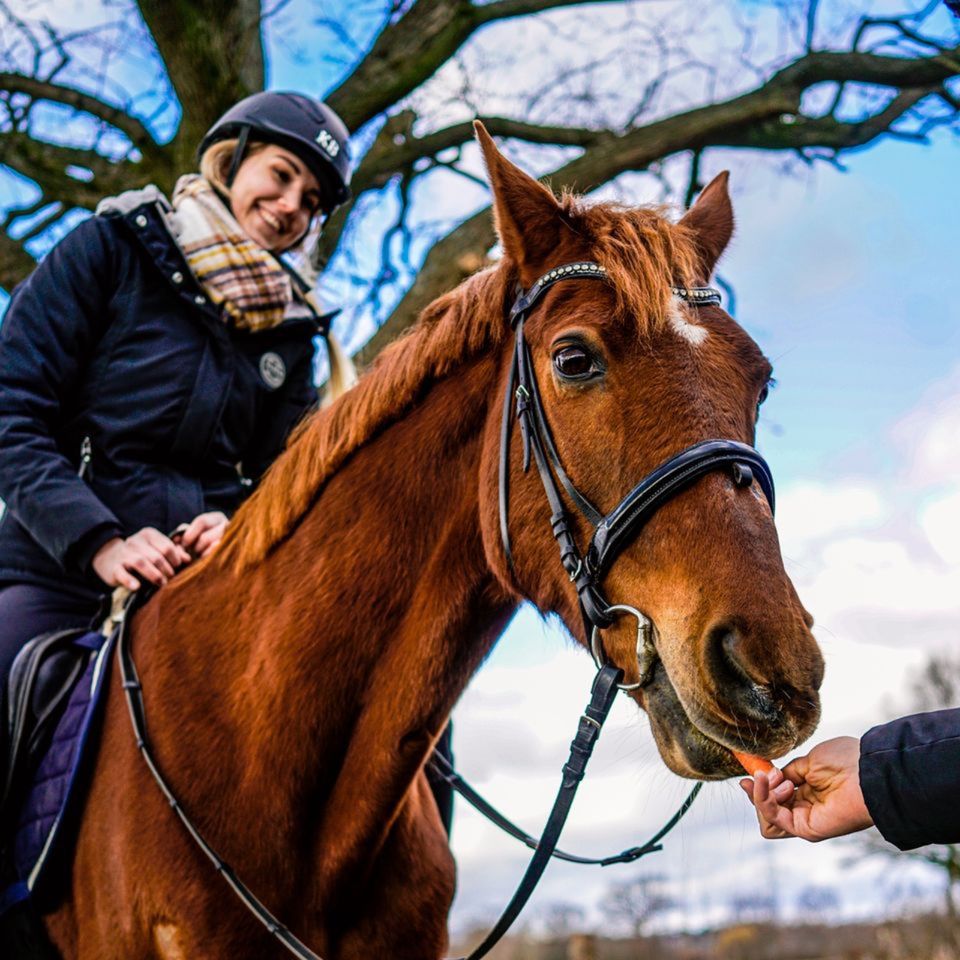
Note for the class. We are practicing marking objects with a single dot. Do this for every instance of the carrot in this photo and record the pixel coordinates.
(753, 765)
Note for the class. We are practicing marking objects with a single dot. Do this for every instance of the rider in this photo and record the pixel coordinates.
(154, 363)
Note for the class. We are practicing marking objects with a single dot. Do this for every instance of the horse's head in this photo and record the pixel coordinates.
(629, 375)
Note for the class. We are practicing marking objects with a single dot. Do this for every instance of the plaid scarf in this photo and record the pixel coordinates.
(256, 292)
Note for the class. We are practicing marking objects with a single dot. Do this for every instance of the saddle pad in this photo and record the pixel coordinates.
(46, 823)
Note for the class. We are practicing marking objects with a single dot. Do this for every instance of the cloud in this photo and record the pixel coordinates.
(927, 436)
(810, 511)
(941, 523)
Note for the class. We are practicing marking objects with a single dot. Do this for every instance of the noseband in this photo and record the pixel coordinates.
(617, 529)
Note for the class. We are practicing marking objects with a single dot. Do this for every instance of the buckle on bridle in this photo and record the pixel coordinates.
(646, 651)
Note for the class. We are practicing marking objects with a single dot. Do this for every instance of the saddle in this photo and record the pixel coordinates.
(43, 674)
(54, 696)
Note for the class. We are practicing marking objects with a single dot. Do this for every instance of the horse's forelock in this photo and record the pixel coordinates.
(644, 253)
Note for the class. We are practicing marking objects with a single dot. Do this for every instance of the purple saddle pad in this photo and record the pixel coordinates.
(38, 848)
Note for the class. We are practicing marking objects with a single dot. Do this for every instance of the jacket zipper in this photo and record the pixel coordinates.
(86, 456)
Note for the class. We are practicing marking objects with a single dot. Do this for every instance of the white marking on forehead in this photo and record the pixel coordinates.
(684, 329)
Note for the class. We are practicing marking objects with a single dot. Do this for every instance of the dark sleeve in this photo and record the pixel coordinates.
(287, 406)
(910, 777)
(52, 324)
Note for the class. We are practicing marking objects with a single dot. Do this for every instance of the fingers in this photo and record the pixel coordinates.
(123, 578)
(203, 533)
(772, 797)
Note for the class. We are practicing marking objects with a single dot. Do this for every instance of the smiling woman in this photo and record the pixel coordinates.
(154, 363)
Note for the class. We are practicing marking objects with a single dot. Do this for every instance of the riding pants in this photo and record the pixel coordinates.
(27, 610)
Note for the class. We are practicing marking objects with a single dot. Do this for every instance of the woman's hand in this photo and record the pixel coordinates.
(147, 553)
(203, 533)
(814, 797)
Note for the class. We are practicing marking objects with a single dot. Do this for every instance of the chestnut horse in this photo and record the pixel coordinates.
(297, 680)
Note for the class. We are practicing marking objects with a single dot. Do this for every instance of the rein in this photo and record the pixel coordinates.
(612, 533)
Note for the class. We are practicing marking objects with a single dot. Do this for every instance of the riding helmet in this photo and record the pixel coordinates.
(302, 125)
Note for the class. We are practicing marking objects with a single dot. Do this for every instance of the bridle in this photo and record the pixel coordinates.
(613, 532)
(586, 571)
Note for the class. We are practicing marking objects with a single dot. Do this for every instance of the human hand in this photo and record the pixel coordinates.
(148, 553)
(203, 533)
(814, 797)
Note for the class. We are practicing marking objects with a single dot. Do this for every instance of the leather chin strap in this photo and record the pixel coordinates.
(616, 530)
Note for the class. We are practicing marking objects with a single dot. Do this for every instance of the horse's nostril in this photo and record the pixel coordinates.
(735, 680)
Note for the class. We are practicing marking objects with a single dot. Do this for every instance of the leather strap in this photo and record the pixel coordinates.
(442, 768)
(602, 696)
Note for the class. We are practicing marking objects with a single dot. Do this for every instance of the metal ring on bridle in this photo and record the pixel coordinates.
(644, 644)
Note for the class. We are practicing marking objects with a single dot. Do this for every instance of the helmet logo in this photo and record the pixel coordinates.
(327, 143)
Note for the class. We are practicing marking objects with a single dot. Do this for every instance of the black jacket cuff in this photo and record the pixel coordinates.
(910, 778)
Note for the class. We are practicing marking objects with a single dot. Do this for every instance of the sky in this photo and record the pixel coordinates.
(848, 281)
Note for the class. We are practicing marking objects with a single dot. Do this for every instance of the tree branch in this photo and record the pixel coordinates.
(15, 262)
(138, 134)
(764, 118)
(396, 149)
(435, 29)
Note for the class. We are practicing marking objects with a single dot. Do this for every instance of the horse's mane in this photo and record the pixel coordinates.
(644, 254)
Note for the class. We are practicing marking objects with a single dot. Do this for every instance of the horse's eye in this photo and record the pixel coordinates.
(765, 392)
(574, 363)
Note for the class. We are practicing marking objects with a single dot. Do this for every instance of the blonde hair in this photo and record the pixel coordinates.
(217, 158)
(215, 168)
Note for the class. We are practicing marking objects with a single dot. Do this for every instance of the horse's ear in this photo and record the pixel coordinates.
(711, 220)
(526, 213)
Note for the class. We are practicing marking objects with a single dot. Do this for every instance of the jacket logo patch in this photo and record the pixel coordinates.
(273, 370)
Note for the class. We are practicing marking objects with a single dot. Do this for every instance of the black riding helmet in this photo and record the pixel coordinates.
(302, 125)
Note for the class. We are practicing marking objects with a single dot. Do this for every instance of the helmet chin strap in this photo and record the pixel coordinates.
(238, 155)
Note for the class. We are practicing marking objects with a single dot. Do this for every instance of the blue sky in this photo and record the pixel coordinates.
(849, 283)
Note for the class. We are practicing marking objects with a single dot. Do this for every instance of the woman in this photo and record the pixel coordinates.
(153, 364)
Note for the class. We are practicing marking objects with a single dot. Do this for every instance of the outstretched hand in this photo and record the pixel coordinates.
(814, 797)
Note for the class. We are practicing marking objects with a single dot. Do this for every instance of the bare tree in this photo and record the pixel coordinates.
(634, 903)
(817, 903)
(118, 94)
(561, 919)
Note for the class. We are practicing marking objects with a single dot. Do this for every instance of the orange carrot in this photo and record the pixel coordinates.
(753, 765)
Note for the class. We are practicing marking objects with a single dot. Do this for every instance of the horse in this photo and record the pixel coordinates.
(297, 680)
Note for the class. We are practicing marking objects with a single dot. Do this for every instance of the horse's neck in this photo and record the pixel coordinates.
(323, 676)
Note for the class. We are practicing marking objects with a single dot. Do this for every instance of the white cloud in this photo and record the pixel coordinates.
(941, 523)
(810, 510)
(929, 435)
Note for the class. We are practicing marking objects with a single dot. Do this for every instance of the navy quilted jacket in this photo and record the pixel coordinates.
(910, 777)
(111, 341)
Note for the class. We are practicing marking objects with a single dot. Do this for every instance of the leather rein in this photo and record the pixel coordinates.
(612, 533)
